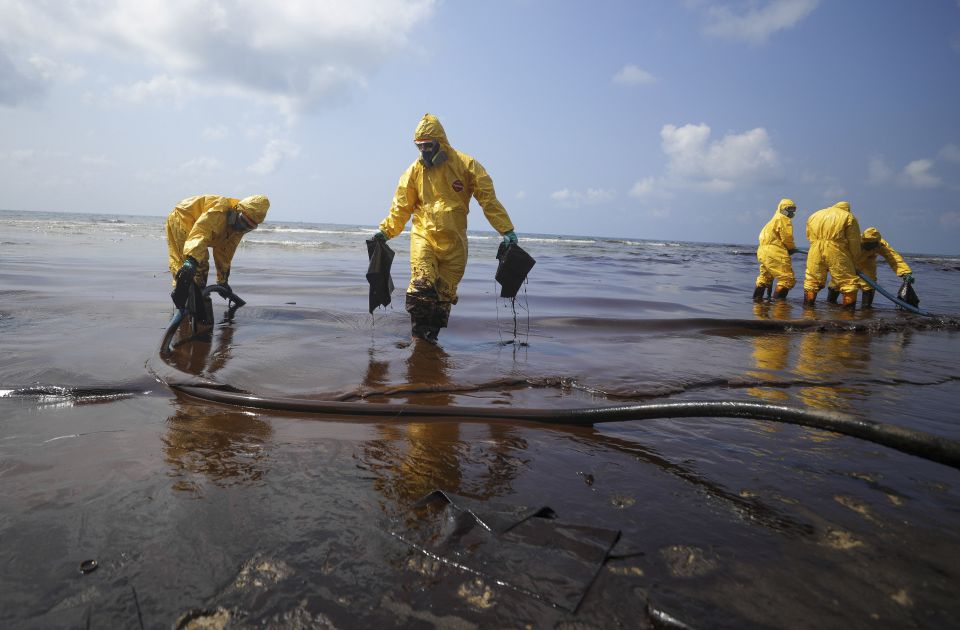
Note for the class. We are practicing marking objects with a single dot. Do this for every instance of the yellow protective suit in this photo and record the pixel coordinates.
(438, 198)
(776, 240)
(200, 222)
(866, 262)
(834, 236)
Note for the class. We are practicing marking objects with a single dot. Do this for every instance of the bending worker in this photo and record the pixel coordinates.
(436, 189)
(871, 246)
(834, 236)
(197, 223)
(776, 247)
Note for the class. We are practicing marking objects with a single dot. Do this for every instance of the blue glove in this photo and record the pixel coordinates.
(510, 238)
(907, 277)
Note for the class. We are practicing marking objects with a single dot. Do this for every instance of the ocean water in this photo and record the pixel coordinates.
(200, 513)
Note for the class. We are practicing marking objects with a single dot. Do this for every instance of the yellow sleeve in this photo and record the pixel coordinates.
(210, 225)
(482, 186)
(786, 233)
(894, 259)
(405, 201)
(223, 255)
(853, 237)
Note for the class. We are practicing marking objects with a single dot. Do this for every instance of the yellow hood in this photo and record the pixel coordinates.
(786, 203)
(430, 127)
(871, 235)
(255, 207)
(843, 205)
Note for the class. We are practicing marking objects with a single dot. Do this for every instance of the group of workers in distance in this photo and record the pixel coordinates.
(836, 247)
(435, 190)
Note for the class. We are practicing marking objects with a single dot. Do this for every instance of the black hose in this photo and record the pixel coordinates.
(925, 445)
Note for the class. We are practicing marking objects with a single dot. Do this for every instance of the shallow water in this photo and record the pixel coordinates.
(197, 512)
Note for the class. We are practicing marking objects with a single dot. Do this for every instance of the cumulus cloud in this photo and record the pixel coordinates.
(273, 154)
(951, 152)
(918, 174)
(718, 165)
(18, 85)
(633, 75)
(575, 198)
(757, 22)
(878, 170)
(294, 55)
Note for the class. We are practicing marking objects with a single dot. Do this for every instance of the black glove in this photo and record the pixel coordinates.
(184, 279)
(381, 236)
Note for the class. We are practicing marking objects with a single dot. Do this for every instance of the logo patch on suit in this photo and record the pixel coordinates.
(457, 185)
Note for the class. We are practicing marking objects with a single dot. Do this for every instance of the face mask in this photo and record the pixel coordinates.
(239, 222)
(869, 246)
(430, 153)
(789, 212)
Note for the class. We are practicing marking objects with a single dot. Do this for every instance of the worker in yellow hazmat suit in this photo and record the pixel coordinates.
(834, 236)
(776, 247)
(208, 221)
(872, 245)
(436, 190)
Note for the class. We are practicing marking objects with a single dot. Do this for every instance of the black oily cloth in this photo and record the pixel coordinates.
(378, 272)
(525, 549)
(514, 266)
(908, 295)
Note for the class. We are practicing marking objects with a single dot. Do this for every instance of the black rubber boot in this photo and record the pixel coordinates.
(850, 300)
(759, 291)
(809, 297)
(781, 293)
(832, 295)
(867, 300)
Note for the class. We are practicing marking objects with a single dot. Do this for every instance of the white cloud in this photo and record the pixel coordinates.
(521, 195)
(574, 198)
(162, 89)
(646, 187)
(293, 55)
(273, 154)
(633, 75)
(216, 132)
(719, 165)
(951, 152)
(879, 171)
(917, 174)
(757, 23)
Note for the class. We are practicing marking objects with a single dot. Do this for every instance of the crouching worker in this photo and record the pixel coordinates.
(208, 221)
(436, 190)
(776, 247)
(871, 246)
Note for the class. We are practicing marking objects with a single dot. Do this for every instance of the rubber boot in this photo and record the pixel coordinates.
(759, 291)
(850, 300)
(809, 297)
(781, 293)
(867, 300)
(832, 295)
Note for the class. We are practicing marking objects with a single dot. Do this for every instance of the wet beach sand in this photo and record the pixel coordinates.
(205, 515)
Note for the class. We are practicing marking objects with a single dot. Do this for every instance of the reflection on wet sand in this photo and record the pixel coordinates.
(225, 447)
(412, 459)
(771, 352)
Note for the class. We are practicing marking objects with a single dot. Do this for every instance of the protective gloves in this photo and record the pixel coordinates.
(184, 279)
(380, 235)
(907, 277)
(510, 238)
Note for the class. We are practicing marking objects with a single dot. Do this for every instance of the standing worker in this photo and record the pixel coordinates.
(436, 189)
(834, 236)
(197, 223)
(871, 246)
(776, 247)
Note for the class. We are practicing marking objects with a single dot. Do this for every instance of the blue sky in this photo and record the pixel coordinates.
(684, 119)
